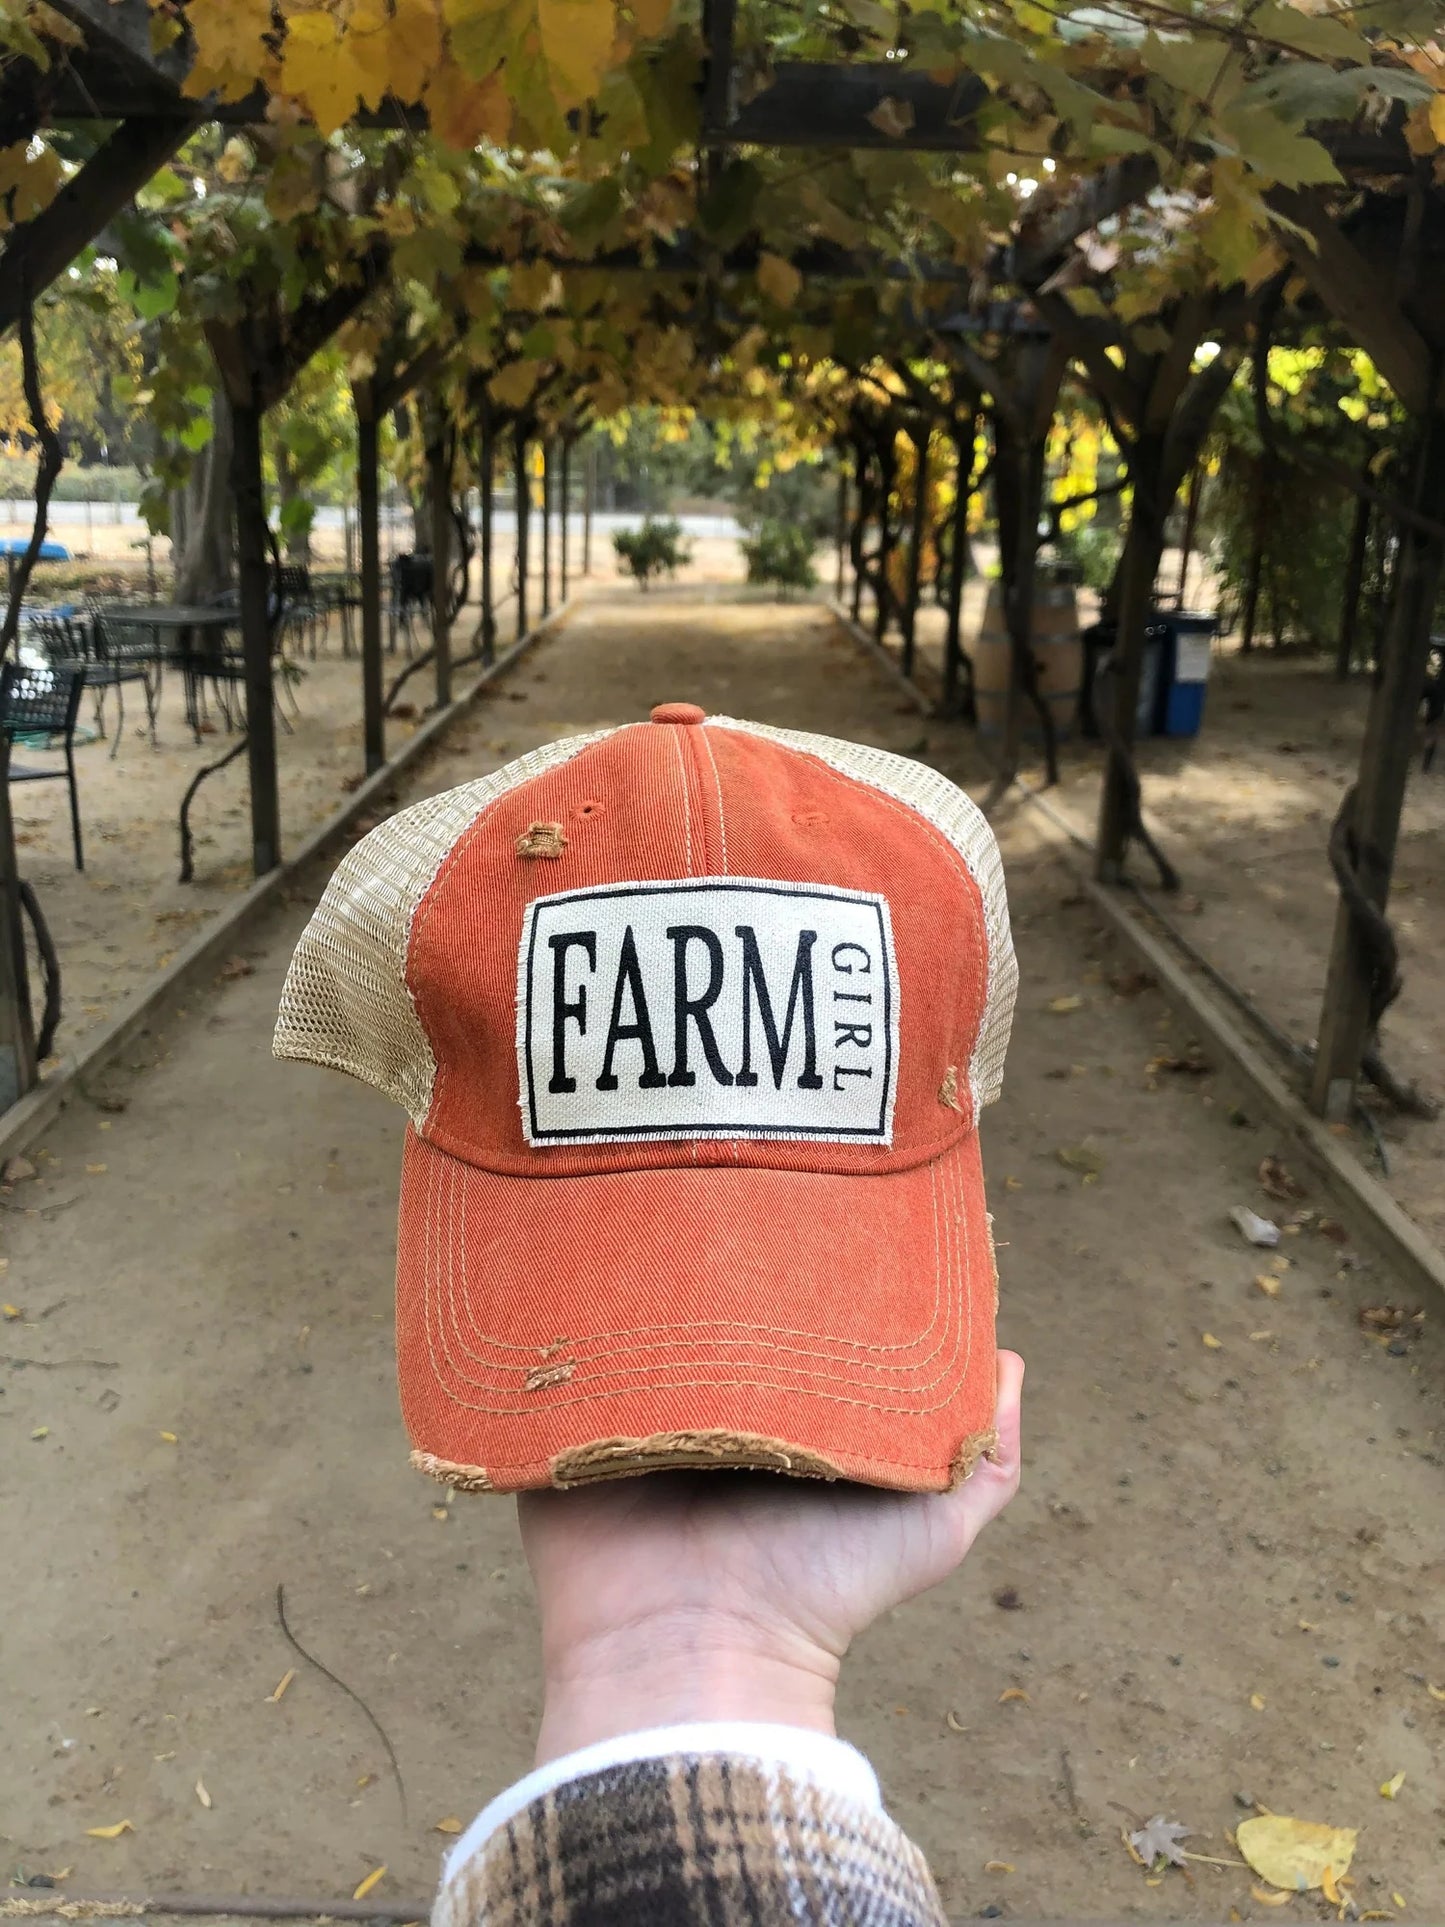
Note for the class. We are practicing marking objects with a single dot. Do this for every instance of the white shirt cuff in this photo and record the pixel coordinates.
(829, 1763)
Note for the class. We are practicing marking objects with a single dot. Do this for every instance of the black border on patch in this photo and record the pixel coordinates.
(831, 1132)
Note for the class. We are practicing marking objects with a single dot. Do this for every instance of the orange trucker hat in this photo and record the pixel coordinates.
(693, 1020)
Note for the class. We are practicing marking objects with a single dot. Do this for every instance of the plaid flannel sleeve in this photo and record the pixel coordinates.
(717, 1839)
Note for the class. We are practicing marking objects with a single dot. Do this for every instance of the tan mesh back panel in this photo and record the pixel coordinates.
(945, 806)
(345, 1003)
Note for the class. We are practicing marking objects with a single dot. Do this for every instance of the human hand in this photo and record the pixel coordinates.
(714, 1595)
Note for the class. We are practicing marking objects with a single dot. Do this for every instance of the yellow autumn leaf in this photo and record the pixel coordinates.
(1212, 1343)
(576, 37)
(111, 1833)
(1392, 1786)
(779, 280)
(1268, 1284)
(281, 1685)
(1062, 1006)
(998, 1866)
(316, 69)
(96, 1170)
(12, 1311)
(170, 1438)
(414, 47)
(1256, 1700)
(449, 1823)
(1267, 1899)
(41, 1432)
(1328, 1888)
(1399, 1899)
(464, 112)
(1295, 1854)
(514, 385)
(650, 16)
(1013, 1693)
(1437, 118)
(1435, 1692)
(376, 1875)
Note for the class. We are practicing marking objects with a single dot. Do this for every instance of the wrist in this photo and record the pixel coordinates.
(678, 1671)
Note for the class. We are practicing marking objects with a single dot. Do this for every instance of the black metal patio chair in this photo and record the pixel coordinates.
(44, 700)
(111, 658)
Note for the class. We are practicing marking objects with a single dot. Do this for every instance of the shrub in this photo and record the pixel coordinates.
(657, 548)
(781, 553)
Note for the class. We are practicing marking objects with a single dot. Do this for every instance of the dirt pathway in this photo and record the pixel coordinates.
(1223, 1579)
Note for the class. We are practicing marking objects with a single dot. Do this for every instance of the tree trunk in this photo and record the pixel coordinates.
(1134, 589)
(1018, 497)
(1354, 584)
(202, 544)
(289, 495)
(1347, 1021)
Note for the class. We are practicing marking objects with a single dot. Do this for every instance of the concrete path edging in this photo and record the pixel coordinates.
(38, 1109)
(1391, 1230)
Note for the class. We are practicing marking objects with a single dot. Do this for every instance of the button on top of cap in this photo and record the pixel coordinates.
(678, 713)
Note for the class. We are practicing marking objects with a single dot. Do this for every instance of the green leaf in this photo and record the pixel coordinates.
(1324, 34)
(1271, 148)
(197, 433)
(727, 211)
(153, 297)
(1189, 66)
(589, 211)
(1303, 90)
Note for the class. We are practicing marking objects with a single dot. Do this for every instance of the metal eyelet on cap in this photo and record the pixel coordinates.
(678, 713)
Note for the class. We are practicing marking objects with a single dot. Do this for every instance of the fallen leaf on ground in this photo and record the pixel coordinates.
(1266, 1282)
(449, 1823)
(17, 1170)
(1328, 1888)
(998, 1866)
(1013, 1184)
(281, 1685)
(1336, 1233)
(236, 967)
(111, 1833)
(376, 1875)
(1212, 1343)
(1393, 1318)
(1399, 1899)
(1062, 1006)
(12, 1311)
(170, 1438)
(953, 1722)
(1192, 1064)
(1158, 1839)
(1250, 1225)
(1275, 1178)
(1389, 1788)
(1267, 1899)
(96, 1170)
(202, 1795)
(41, 1432)
(1014, 1693)
(1256, 1700)
(1294, 1854)
(1080, 1157)
(1129, 983)
(1435, 1692)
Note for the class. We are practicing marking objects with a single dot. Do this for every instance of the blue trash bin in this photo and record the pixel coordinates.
(1185, 659)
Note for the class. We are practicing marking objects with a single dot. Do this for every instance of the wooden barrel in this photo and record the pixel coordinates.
(1058, 661)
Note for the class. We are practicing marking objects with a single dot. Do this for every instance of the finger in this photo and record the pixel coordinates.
(995, 1479)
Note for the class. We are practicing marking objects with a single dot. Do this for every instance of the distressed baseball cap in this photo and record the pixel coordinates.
(693, 1021)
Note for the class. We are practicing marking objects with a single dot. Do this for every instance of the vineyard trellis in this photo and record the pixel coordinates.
(533, 212)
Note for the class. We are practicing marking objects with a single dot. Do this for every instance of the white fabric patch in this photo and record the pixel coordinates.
(708, 1007)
